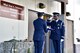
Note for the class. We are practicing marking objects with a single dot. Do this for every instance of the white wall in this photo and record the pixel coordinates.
(20, 28)
(10, 28)
(74, 8)
(54, 6)
(77, 21)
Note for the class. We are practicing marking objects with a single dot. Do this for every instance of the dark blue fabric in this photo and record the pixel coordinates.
(40, 28)
(56, 45)
(62, 44)
(58, 29)
(53, 46)
(39, 45)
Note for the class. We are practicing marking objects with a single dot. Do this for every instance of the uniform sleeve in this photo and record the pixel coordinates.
(48, 23)
(62, 30)
(45, 27)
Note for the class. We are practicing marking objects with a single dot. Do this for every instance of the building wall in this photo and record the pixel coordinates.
(66, 1)
(19, 28)
(77, 48)
(69, 37)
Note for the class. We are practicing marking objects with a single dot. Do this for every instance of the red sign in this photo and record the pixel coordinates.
(10, 10)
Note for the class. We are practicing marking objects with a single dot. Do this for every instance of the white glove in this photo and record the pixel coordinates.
(62, 40)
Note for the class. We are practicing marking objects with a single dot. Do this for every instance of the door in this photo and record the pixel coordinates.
(69, 38)
(32, 15)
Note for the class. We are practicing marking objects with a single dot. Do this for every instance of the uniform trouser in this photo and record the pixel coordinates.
(62, 47)
(39, 46)
(56, 44)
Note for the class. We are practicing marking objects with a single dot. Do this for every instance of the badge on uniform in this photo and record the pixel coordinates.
(58, 26)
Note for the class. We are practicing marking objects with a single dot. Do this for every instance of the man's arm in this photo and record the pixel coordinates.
(45, 27)
(62, 30)
(48, 23)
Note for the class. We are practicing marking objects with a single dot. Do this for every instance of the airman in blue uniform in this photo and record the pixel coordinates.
(57, 32)
(40, 28)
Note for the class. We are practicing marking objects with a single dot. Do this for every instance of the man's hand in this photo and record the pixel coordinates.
(62, 40)
(50, 29)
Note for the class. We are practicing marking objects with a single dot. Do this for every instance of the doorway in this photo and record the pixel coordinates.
(70, 37)
(32, 15)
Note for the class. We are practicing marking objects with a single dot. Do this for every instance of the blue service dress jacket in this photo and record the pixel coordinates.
(40, 28)
(58, 29)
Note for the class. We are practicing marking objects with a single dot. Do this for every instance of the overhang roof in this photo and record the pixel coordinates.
(66, 1)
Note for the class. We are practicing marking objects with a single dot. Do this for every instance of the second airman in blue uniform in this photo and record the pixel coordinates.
(57, 32)
(40, 28)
